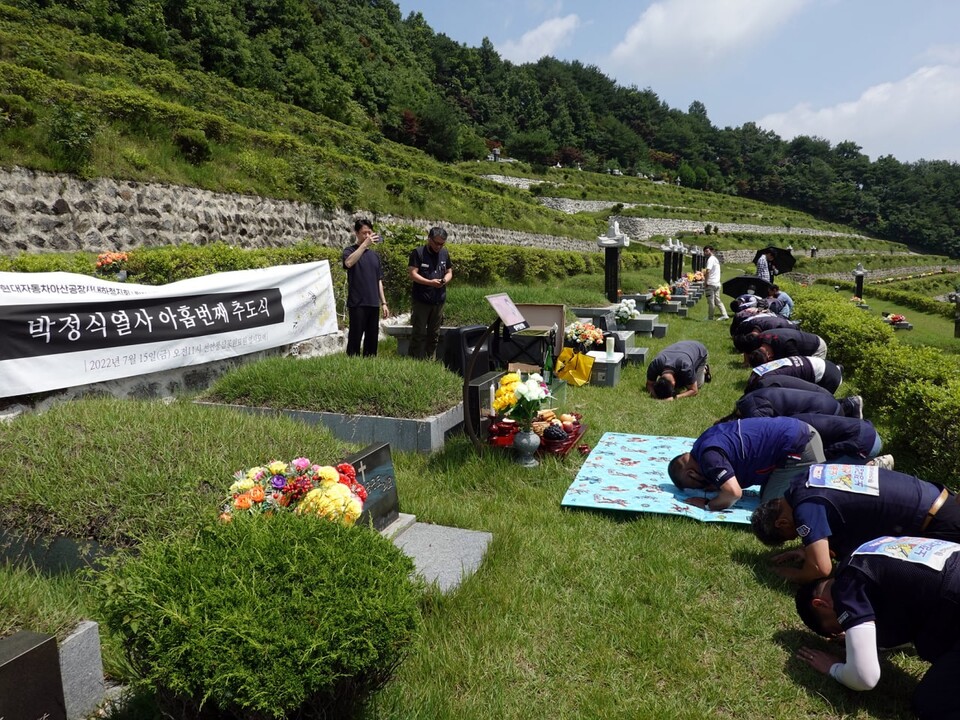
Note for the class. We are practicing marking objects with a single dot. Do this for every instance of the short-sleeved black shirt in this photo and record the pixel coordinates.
(431, 266)
(683, 358)
(363, 279)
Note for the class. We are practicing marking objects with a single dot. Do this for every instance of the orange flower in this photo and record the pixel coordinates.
(225, 517)
(257, 494)
(243, 501)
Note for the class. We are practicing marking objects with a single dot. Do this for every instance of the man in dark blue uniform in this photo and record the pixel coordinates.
(730, 456)
(743, 324)
(812, 369)
(848, 440)
(430, 272)
(789, 402)
(787, 381)
(891, 591)
(832, 517)
(677, 371)
(779, 343)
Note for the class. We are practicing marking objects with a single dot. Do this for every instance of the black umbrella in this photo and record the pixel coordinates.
(783, 259)
(743, 284)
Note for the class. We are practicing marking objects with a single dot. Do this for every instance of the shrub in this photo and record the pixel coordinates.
(264, 617)
(72, 132)
(926, 423)
(193, 145)
(15, 111)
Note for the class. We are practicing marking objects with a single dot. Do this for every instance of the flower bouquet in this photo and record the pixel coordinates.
(661, 295)
(695, 276)
(111, 262)
(521, 400)
(897, 318)
(856, 300)
(298, 486)
(627, 311)
(583, 334)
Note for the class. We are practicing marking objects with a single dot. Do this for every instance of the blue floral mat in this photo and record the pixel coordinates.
(629, 473)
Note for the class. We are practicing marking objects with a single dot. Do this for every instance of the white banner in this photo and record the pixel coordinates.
(59, 330)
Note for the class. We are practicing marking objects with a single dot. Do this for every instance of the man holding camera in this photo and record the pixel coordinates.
(430, 271)
(366, 300)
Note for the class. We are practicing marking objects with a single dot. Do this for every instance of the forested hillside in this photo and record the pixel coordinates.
(361, 63)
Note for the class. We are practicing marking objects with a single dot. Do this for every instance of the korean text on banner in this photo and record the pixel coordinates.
(63, 329)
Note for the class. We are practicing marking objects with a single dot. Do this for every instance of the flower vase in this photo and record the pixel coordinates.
(526, 442)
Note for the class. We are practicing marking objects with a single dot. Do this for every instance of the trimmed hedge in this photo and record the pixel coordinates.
(264, 617)
(848, 331)
(913, 391)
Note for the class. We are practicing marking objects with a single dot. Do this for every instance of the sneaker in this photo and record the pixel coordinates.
(707, 377)
(723, 317)
(854, 406)
(882, 461)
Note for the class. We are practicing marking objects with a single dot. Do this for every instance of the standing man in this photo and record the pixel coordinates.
(890, 591)
(365, 297)
(712, 281)
(430, 271)
(765, 269)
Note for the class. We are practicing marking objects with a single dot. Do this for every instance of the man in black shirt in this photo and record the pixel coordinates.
(365, 297)
(430, 271)
(677, 371)
(891, 591)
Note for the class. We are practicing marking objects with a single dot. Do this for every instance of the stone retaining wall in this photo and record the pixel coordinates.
(51, 212)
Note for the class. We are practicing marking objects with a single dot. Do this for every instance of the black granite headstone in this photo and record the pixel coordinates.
(30, 685)
(374, 467)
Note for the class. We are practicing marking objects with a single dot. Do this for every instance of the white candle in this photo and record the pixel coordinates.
(609, 349)
(493, 396)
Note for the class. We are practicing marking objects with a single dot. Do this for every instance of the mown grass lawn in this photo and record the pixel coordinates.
(573, 614)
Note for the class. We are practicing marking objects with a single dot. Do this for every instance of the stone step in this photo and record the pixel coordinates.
(637, 355)
(682, 312)
(443, 555)
(625, 340)
(660, 330)
(644, 323)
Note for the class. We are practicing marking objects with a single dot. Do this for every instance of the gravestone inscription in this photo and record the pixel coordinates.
(374, 466)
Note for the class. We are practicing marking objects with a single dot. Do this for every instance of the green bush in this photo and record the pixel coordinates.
(848, 330)
(72, 132)
(193, 145)
(15, 111)
(286, 616)
(925, 421)
(881, 369)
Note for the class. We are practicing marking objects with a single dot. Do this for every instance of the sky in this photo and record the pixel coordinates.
(884, 74)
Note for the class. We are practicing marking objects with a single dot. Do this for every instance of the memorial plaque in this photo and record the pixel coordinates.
(374, 466)
(30, 685)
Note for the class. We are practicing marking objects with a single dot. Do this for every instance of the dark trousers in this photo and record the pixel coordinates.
(936, 696)
(365, 328)
(426, 321)
(779, 480)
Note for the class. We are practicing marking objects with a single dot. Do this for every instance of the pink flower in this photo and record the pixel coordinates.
(301, 463)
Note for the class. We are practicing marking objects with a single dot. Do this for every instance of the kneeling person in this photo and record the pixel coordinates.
(891, 591)
(833, 519)
(728, 457)
(677, 371)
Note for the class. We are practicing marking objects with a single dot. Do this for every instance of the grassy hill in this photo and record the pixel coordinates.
(77, 103)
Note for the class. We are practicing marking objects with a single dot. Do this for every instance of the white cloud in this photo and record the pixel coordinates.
(545, 39)
(915, 118)
(680, 37)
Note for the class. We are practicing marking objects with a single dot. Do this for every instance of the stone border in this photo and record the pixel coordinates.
(405, 434)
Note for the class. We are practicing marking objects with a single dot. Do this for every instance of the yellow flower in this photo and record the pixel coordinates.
(352, 511)
(328, 475)
(509, 379)
(277, 467)
(241, 486)
(255, 473)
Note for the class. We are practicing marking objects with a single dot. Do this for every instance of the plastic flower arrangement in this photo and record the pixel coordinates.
(297, 486)
(521, 399)
(897, 318)
(856, 300)
(627, 310)
(695, 276)
(582, 333)
(661, 294)
(111, 261)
